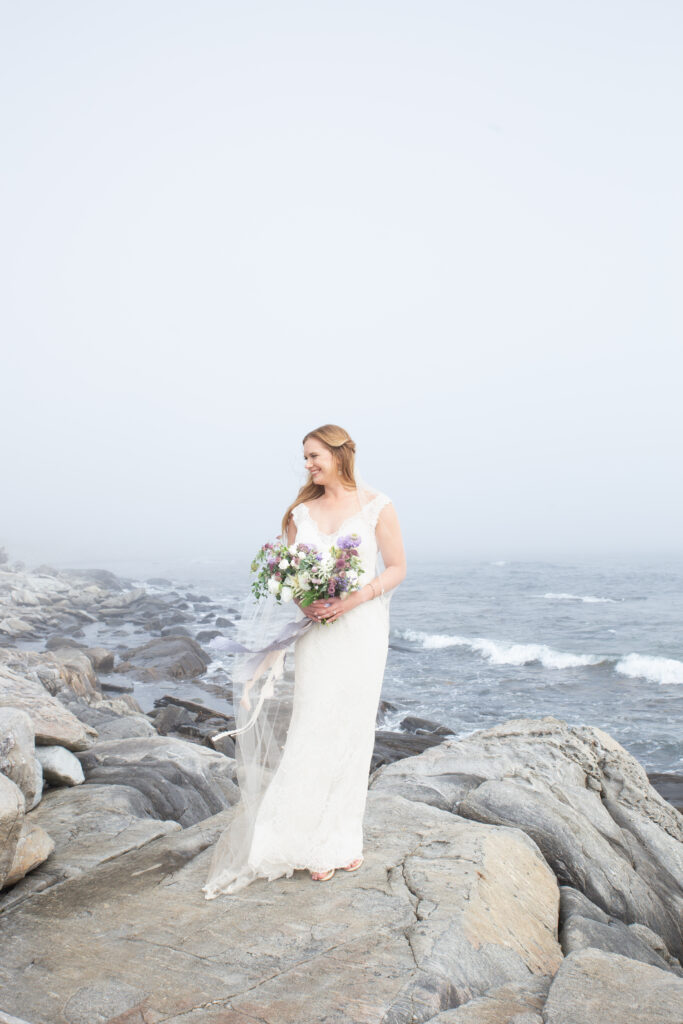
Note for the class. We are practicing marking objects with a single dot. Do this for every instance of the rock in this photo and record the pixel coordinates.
(56, 643)
(183, 781)
(12, 805)
(222, 622)
(6, 1018)
(53, 723)
(170, 717)
(77, 670)
(101, 659)
(592, 986)
(60, 766)
(171, 657)
(33, 847)
(517, 1002)
(17, 751)
(442, 911)
(16, 627)
(159, 581)
(580, 796)
(425, 725)
(391, 746)
(207, 634)
(89, 825)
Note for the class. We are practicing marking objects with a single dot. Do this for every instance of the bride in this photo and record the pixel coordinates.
(303, 753)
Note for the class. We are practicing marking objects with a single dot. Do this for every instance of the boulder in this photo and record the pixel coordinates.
(442, 911)
(580, 796)
(53, 723)
(89, 826)
(60, 766)
(182, 781)
(101, 659)
(12, 806)
(17, 751)
(168, 657)
(33, 847)
(592, 985)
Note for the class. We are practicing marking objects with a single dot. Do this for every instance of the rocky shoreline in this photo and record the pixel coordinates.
(530, 873)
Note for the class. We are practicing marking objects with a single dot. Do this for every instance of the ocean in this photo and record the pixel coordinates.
(475, 643)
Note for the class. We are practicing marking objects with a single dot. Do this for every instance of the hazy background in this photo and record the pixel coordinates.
(453, 228)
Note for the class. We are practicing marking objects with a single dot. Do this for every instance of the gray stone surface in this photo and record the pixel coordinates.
(12, 806)
(17, 751)
(89, 825)
(592, 987)
(584, 800)
(60, 766)
(442, 911)
(53, 723)
(518, 1002)
(182, 781)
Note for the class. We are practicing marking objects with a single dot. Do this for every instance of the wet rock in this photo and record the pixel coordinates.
(172, 657)
(208, 634)
(101, 659)
(592, 985)
(423, 726)
(392, 746)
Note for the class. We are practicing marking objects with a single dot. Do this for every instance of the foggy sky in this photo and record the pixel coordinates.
(453, 228)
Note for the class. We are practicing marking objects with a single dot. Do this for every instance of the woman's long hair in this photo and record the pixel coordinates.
(339, 442)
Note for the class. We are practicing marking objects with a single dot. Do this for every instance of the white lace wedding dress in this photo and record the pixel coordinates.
(311, 813)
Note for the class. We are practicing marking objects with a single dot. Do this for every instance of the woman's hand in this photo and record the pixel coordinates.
(329, 608)
(306, 609)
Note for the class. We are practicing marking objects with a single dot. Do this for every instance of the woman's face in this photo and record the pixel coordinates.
(319, 461)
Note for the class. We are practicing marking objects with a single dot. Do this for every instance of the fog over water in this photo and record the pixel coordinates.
(453, 228)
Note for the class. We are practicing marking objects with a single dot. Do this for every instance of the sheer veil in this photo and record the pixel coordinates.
(262, 693)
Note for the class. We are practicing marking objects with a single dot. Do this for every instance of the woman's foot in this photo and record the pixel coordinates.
(322, 876)
(354, 865)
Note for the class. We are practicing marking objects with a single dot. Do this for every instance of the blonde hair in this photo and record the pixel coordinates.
(343, 448)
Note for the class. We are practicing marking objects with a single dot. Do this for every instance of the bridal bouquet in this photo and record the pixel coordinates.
(301, 571)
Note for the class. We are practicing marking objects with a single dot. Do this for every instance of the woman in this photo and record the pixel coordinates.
(303, 764)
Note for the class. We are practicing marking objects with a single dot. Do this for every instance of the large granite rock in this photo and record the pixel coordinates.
(12, 805)
(89, 825)
(17, 751)
(580, 796)
(168, 657)
(33, 847)
(182, 781)
(60, 766)
(443, 910)
(52, 722)
(592, 986)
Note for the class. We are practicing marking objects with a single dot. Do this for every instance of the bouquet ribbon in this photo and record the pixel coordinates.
(270, 659)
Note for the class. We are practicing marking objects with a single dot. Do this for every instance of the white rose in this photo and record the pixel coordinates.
(286, 594)
(284, 564)
(292, 549)
(274, 586)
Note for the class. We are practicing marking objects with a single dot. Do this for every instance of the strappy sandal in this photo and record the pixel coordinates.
(324, 876)
(354, 865)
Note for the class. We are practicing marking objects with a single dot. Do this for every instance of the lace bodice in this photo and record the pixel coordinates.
(362, 522)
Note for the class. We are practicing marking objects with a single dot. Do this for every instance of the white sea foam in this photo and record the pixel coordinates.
(501, 653)
(587, 599)
(646, 666)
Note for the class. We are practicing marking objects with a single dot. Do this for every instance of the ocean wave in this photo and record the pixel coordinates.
(500, 653)
(654, 669)
(588, 599)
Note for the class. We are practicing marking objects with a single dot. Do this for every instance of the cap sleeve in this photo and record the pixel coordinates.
(375, 506)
